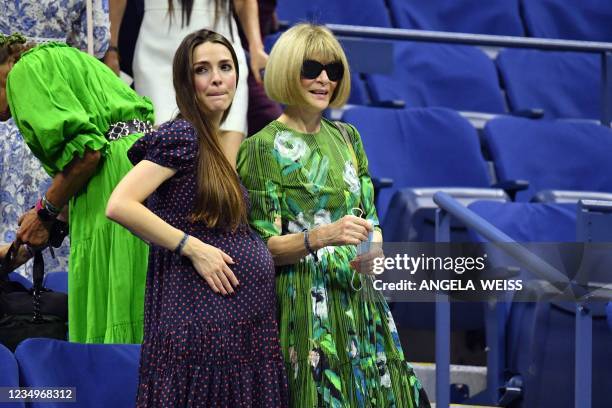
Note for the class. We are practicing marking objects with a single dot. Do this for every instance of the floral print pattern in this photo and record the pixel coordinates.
(289, 147)
(340, 345)
(22, 182)
(350, 177)
(58, 20)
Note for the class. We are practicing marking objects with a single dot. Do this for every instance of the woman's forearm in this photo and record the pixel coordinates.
(137, 218)
(290, 249)
(248, 14)
(73, 178)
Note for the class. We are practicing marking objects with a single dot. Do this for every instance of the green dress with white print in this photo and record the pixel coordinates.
(341, 347)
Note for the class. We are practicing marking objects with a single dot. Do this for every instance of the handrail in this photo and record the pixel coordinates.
(382, 33)
(596, 205)
(532, 262)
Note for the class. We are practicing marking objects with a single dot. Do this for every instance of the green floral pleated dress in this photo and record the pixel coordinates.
(341, 348)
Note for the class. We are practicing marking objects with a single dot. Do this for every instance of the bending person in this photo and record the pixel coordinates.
(306, 179)
(211, 337)
(71, 109)
(65, 24)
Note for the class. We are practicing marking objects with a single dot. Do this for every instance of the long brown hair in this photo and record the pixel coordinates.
(219, 201)
(187, 8)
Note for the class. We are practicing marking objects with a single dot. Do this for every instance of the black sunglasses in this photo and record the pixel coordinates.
(311, 69)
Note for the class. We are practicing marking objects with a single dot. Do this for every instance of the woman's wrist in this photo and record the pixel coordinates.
(183, 247)
(309, 249)
(256, 47)
(316, 238)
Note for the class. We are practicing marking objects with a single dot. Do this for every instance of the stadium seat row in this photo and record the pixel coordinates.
(586, 20)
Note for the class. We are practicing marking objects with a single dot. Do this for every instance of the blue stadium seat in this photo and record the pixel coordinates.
(408, 145)
(563, 84)
(559, 155)
(15, 277)
(587, 20)
(56, 281)
(459, 77)
(359, 93)
(104, 375)
(540, 335)
(499, 17)
(547, 222)
(353, 12)
(9, 375)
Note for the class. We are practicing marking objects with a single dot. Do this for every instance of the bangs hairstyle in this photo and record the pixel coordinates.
(283, 70)
(219, 201)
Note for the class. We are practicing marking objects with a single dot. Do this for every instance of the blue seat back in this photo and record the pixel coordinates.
(432, 147)
(56, 281)
(465, 16)
(564, 84)
(558, 155)
(587, 20)
(530, 222)
(460, 77)
(105, 375)
(15, 277)
(353, 12)
(9, 375)
(541, 347)
(359, 93)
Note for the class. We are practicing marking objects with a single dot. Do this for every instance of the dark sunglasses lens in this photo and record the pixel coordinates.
(311, 69)
(334, 71)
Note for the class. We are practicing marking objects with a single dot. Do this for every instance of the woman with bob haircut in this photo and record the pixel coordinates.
(210, 336)
(309, 186)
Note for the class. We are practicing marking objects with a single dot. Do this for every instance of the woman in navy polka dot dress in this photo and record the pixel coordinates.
(211, 337)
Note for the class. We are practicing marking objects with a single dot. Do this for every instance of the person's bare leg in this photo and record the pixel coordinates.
(230, 143)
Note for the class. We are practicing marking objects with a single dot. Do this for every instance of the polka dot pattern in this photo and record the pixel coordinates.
(203, 349)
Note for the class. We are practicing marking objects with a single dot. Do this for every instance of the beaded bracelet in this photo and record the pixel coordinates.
(307, 244)
(181, 245)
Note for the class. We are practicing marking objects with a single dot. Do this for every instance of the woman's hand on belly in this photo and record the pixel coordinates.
(212, 264)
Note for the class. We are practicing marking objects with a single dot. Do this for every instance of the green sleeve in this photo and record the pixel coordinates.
(367, 188)
(260, 174)
(49, 114)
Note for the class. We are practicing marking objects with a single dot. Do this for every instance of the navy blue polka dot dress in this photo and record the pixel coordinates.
(203, 349)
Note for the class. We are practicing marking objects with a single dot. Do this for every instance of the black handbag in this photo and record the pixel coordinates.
(24, 313)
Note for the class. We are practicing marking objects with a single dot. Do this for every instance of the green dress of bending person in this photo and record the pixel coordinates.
(338, 338)
(63, 102)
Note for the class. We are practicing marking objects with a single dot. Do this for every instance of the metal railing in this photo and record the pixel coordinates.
(451, 208)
